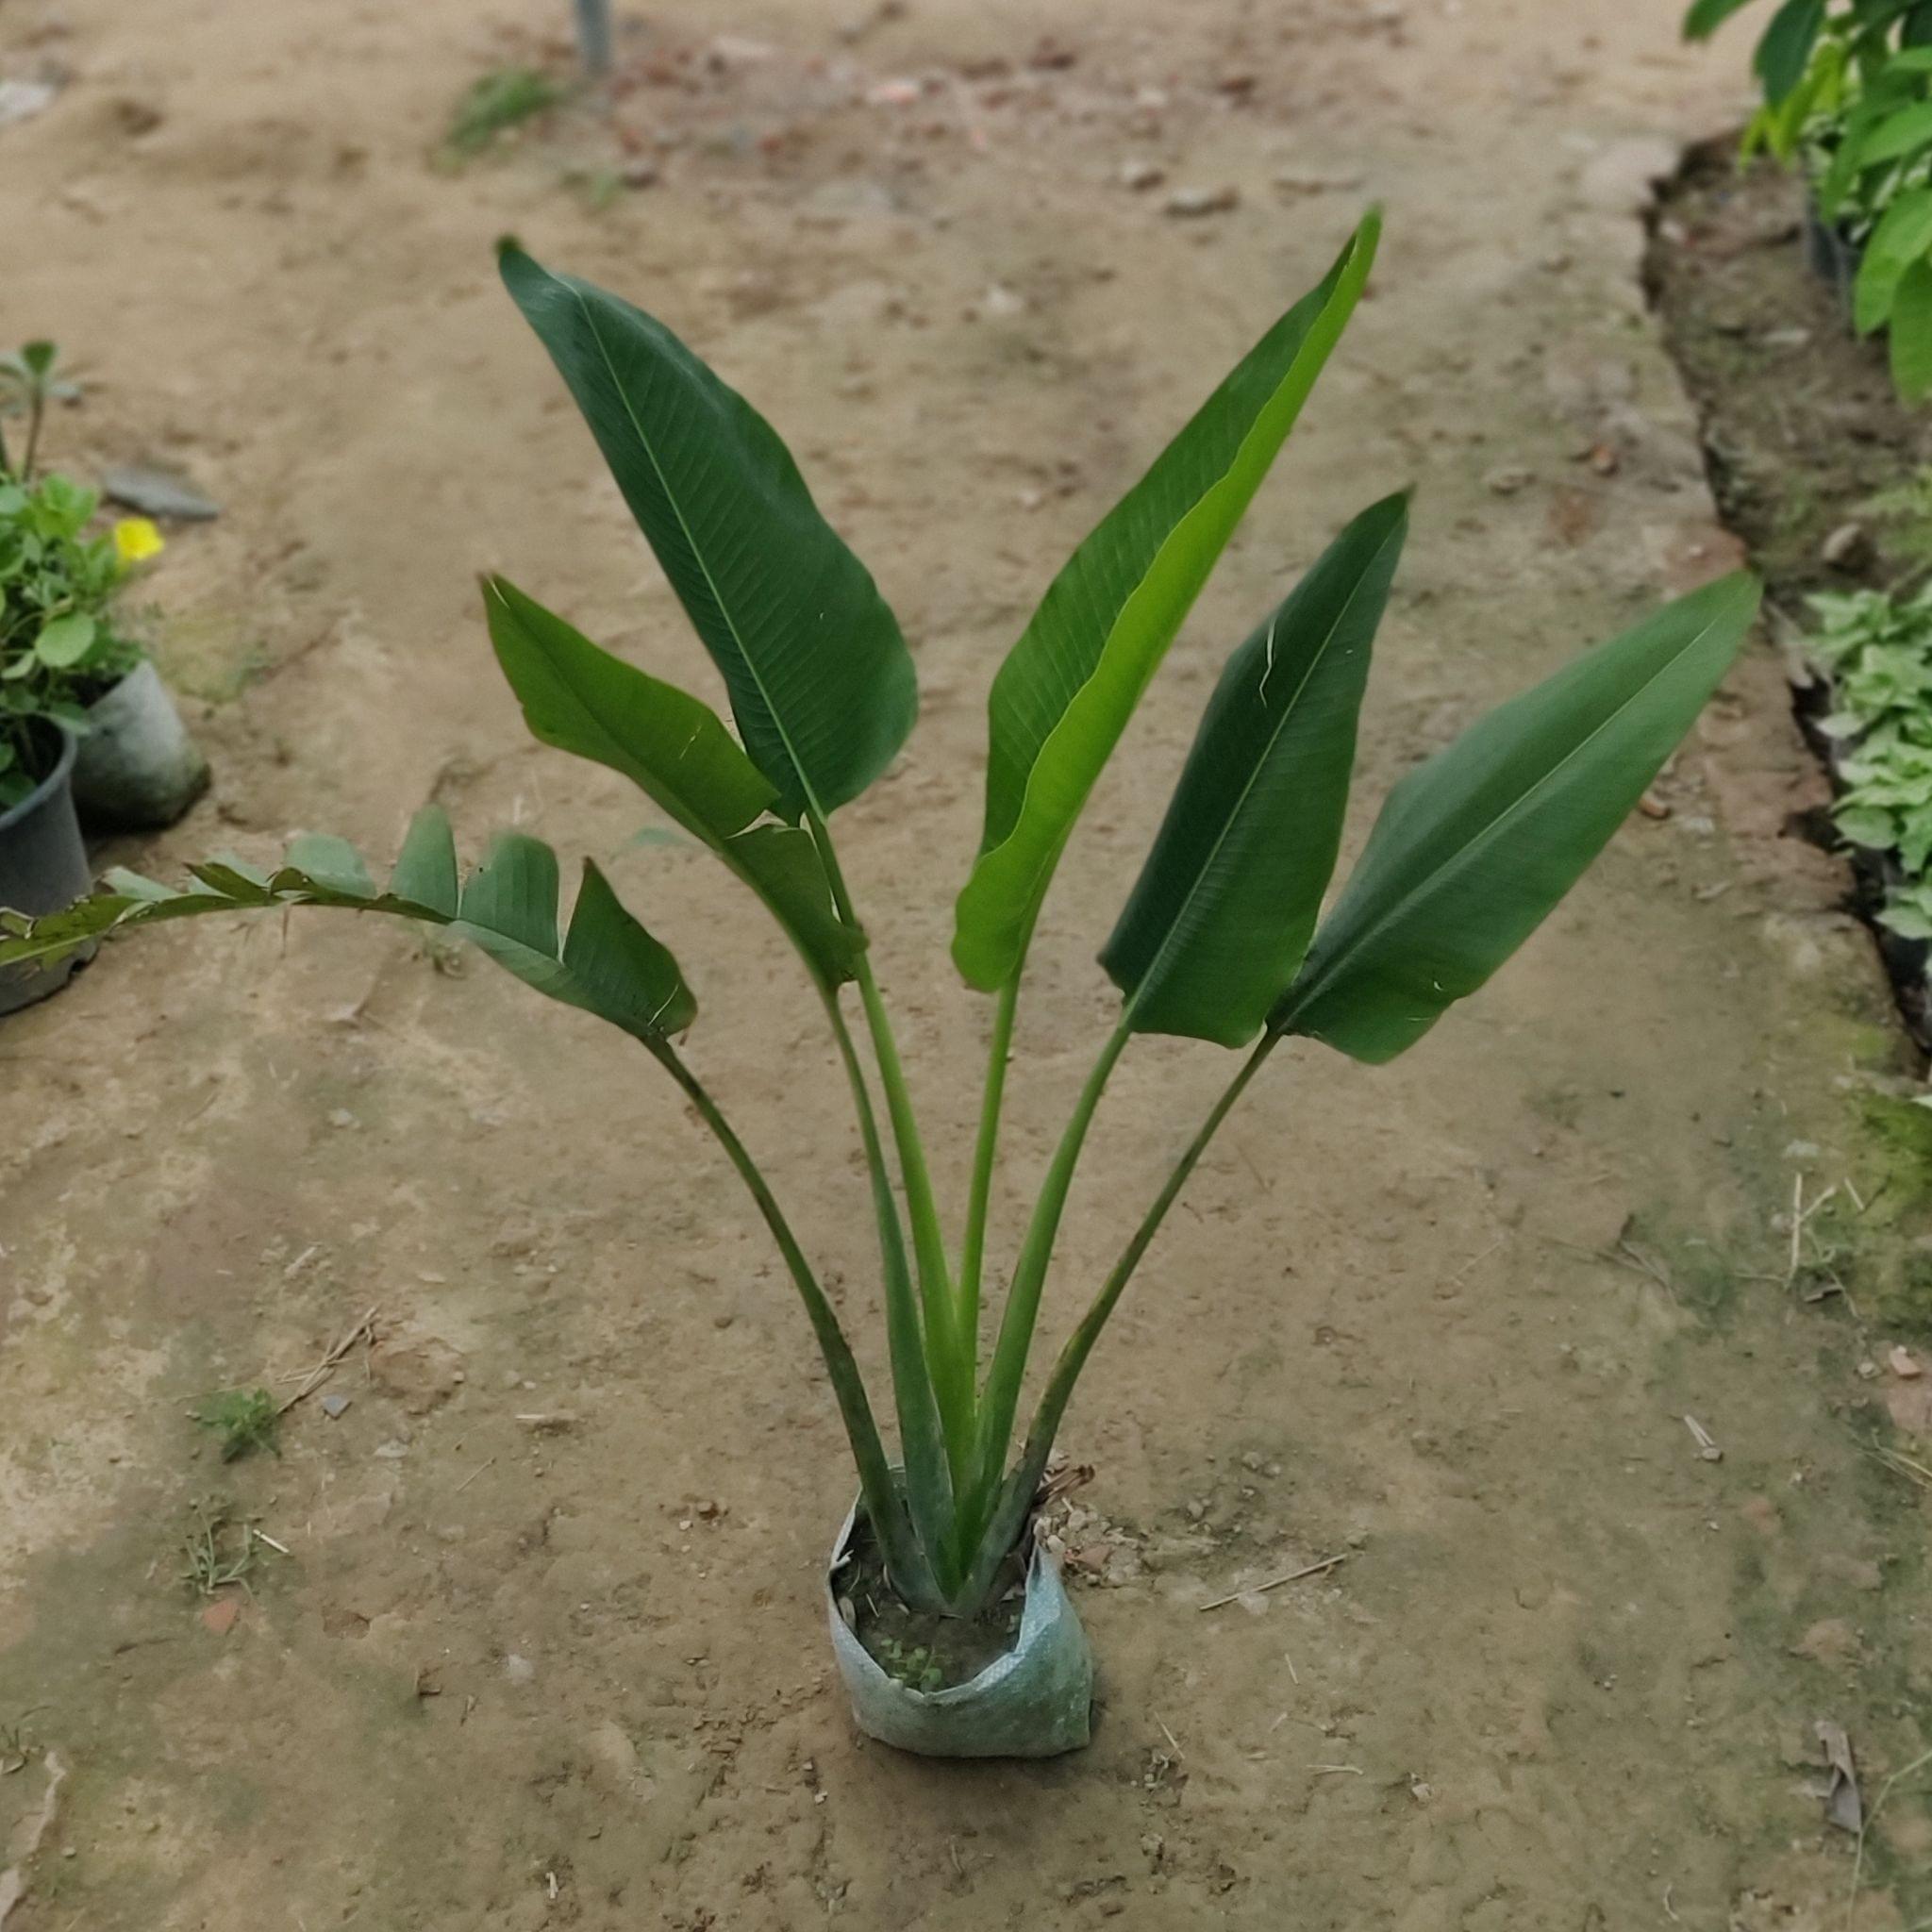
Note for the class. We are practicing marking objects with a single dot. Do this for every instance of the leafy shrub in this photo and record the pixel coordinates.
(1848, 98)
(61, 647)
(1878, 650)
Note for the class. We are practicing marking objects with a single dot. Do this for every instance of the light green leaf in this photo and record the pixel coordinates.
(1225, 904)
(1868, 826)
(1909, 921)
(1474, 847)
(1903, 236)
(65, 641)
(821, 682)
(1067, 686)
(1898, 134)
(581, 698)
(1909, 337)
(331, 862)
(426, 868)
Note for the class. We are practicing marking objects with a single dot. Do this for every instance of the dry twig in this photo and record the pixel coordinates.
(1276, 1582)
(364, 1329)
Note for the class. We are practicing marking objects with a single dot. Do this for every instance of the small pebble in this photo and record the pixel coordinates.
(156, 493)
(1188, 203)
(1846, 547)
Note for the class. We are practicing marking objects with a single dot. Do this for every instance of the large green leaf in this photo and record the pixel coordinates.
(1786, 47)
(1225, 904)
(1067, 686)
(820, 679)
(1475, 846)
(581, 698)
(1905, 132)
(1903, 236)
(1909, 338)
(607, 964)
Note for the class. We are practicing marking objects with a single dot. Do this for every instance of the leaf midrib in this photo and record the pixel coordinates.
(1234, 813)
(1456, 860)
(805, 784)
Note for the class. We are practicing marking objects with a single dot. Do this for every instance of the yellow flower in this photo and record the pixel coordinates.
(136, 540)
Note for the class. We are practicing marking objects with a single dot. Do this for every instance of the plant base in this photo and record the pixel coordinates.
(42, 867)
(137, 767)
(1034, 1701)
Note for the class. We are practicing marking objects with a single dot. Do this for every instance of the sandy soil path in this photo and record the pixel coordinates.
(1569, 1674)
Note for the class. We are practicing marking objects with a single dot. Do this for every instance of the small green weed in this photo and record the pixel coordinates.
(910, 1664)
(244, 1419)
(492, 105)
(220, 1548)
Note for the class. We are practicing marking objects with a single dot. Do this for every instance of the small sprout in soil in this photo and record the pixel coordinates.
(497, 103)
(244, 1419)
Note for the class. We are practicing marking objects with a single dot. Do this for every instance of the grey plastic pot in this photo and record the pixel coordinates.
(42, 867)
(137, 767)
(1036, 1701)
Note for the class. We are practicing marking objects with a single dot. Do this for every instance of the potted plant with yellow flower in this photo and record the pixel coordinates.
(84, 719)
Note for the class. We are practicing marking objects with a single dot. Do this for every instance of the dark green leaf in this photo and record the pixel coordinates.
(782, 866)
(1474, 847)
(1067, 686)
(1706, 16)
(1786, 47)
(1228, 897)
(581, 698)
(620, 968)
(820, 678)
(608, 965)
(508, 907)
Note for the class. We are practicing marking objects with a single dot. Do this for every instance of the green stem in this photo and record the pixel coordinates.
(911, 1573)
(948, 1354)
(1022, 1311)
(1016, 1498)
(35, 408)
(928, 1470)
(985, 1148)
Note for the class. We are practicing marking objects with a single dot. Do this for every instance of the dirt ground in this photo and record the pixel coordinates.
(507, 1676)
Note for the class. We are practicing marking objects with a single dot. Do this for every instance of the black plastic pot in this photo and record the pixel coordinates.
(42, 867)
(1831, 256)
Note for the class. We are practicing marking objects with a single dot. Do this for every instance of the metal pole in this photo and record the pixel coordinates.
(594, 35)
